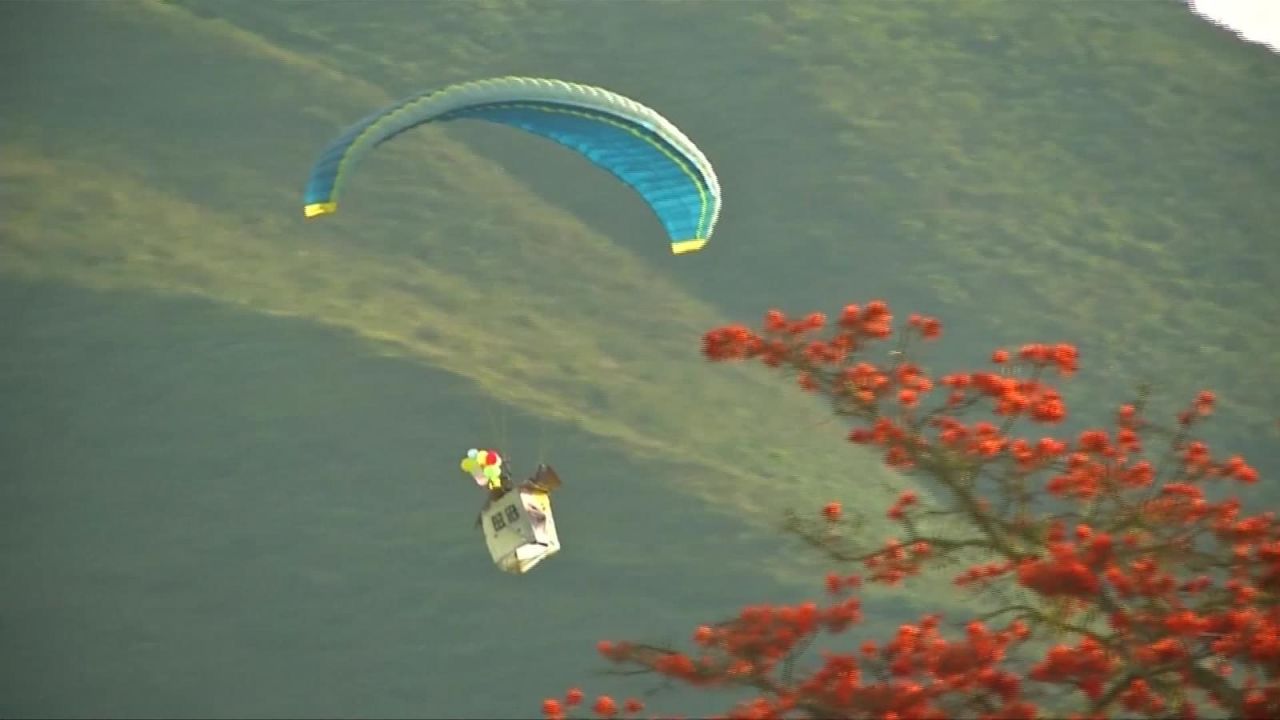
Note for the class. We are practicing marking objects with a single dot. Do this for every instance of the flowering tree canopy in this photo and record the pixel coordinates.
(1122, 582)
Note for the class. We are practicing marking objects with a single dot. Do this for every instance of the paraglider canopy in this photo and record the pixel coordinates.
(633, 142)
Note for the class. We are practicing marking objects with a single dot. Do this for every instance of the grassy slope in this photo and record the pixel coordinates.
(971, 155)
(224, 514)
(578, 329)
(1095, 172)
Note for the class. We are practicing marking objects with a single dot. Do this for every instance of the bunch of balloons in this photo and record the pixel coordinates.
(484, 466)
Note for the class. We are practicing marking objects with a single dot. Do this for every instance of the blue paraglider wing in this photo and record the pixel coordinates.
(631, 141)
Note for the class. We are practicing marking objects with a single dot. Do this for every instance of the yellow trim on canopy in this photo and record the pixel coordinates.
(318, 209)
(687, 246)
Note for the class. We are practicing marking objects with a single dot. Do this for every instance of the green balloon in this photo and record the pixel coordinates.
(492, 471)
(469, 465)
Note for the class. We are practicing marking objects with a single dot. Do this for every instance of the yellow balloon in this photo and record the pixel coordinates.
(482, 457)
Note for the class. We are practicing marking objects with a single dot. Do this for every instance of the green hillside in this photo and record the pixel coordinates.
(553, 317)
(1102, 173)
(1095, 172)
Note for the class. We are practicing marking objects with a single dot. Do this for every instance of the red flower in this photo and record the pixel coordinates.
(605, 707)
(815, 321)
(1205, 401)
(850, 316)
(704, 635)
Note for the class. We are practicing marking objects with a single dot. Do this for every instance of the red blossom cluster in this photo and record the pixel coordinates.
(1149, 596)
(911, 676)
(896, 561)
(603, 707)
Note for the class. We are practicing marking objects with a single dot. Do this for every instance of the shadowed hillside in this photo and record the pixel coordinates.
(1102, 173)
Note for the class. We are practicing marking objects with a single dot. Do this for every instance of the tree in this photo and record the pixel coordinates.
(1118, 584)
